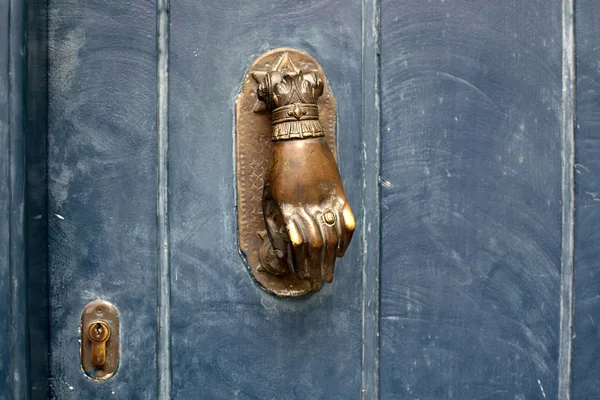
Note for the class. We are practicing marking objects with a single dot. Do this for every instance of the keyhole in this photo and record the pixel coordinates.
(99, 331)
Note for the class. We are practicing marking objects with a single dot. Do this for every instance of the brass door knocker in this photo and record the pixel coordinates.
(293, 215)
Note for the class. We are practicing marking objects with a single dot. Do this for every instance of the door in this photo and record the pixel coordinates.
(466, 150)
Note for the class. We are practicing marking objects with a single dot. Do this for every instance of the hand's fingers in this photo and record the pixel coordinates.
(314, 247)
(345, 229)
(277, 240)
(275, 229)
(328, 224)
(297, 256)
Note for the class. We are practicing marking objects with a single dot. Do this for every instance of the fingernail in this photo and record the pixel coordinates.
(348, 218)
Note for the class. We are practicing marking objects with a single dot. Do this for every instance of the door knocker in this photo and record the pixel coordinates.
(293, 215)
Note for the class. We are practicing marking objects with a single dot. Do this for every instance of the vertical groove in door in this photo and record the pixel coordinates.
(163, 356)
(370, 207)
(19, 329)
(36, 197)
(568, 200)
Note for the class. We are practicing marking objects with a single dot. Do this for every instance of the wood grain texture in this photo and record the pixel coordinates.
(230, 338)
(37, 185)
(163, 345)
(586, 334)
(565, 340)
(102, 188)
(471, 199)
(371, 223)
(13, 285)
(5, 376)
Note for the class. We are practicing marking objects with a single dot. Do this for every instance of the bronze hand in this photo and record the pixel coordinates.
(308, 218)
(309, 221)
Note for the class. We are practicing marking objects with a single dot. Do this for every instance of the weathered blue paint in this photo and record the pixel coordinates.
(163, 346)
(14, 351)
(229, 338)
(22, 136)
(102, 188)
(5, 377)
(586, 334)
(37, 221)
(475, 201)
(371, 136)
(471, 199)
(565, 340)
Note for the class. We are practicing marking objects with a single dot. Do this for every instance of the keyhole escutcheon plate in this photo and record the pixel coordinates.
(100, 340)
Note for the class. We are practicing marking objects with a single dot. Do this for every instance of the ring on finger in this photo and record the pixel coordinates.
(329, 217)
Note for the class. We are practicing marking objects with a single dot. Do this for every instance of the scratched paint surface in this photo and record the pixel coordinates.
(471, 199)
(230, 339)
(102, 187)
(470, 183)
(586, 351)
(37, 221)
(4, 209)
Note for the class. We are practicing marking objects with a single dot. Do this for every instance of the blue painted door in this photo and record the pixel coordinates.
(109, 100)
(468, 147)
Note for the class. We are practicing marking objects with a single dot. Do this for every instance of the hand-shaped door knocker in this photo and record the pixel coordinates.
(294, 217)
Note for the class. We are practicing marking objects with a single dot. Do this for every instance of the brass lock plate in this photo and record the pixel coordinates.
(100, 340)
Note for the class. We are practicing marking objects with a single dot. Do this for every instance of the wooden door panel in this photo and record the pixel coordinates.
(229, 338)
(14, 335)
(5, 206)
(475, 207)
(471, 199)
(586, 352)
(102, 187)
